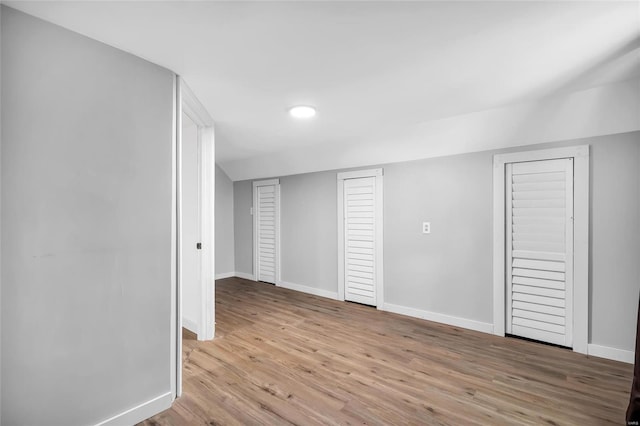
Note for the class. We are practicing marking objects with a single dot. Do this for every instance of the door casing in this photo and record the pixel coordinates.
(379, 220)
(256, 184)
(580, 155)
(186, 102)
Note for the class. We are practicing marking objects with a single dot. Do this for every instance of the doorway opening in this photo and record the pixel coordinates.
(193, 304)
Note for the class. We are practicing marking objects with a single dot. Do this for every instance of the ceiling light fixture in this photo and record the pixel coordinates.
(302, 111)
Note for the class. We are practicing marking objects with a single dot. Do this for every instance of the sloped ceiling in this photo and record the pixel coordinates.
(376, 71)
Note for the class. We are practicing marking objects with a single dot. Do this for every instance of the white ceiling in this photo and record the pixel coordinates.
(374, 70)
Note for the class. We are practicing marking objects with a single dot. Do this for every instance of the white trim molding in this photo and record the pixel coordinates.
(355, 174)
(266, 182)
(140, 412)
(309, 290)
(244, 276)
(379, 230)
(611, 353)
(190, 325)
(175, 350)
(225, 275)
(580, 154)
(483, 327)
(186, 102)
(206, 142)
(191, 106)
(256, 184)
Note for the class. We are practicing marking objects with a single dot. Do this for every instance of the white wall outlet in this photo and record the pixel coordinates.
(426, 227)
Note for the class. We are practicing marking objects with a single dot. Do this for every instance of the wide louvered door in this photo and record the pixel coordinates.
(266, 230)
(540, 250)
(359, 240)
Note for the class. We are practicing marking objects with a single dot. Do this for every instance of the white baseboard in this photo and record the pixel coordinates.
(611, 353)
(190, 325)
(310, 290)
(141, 412)
(441, 318)
(245, 276)
(225, 275)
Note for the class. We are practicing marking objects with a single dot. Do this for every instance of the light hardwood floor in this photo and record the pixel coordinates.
(284, 357)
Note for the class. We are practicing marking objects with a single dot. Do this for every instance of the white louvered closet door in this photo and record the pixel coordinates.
(540, 250)
(266, 231)
(359, 240)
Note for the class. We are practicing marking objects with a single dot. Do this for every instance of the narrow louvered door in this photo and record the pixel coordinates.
(359, 240)
(266, 232)
(539, 200)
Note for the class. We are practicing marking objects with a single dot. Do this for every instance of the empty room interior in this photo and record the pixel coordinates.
(319, 212)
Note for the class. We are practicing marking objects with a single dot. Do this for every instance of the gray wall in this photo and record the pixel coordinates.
(86, 217)
(450, 270)
(224, 223)
(309, 251)
(615, 240)
(243, 226)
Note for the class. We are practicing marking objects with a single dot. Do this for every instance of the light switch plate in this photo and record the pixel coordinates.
(426, 227)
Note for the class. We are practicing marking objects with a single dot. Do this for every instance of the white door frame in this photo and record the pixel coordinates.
(185, 101)
(580, 155)
(256, 184)
(379, 271)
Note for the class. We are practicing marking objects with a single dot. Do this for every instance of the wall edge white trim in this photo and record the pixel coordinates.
(207, 177)
(483, 327)
(245, 276)
(176, 318)
(608, 352)
(191, 106)
(360, 173)
(190, 325)
(194, 108)
(225, 275)
(266, 182)
(309, 290)
(140, 412)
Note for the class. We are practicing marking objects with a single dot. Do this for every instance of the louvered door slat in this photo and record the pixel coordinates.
(360, 256)
(536, 300)
(536, 282)
(541, 255)
(533, 307)
(359, 240)
(540, 250)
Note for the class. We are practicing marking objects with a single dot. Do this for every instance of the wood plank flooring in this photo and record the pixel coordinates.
(283, 357)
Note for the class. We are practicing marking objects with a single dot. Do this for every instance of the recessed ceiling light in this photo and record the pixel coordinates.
(302, 111)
